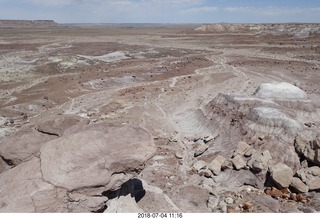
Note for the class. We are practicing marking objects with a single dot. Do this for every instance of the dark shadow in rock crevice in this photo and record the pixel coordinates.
(269, 182)
(133, 187)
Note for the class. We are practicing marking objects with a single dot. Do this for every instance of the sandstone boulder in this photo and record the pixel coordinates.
(238, 162)
(199, 165)
(314, 170)
(242, 148)
(308, 145)
(205, 172)
(89, 158)
(259, 161)
(298, 185)
(313, 184)
(22, 188)
(310, 176)
(216, 164)
(59, 123)
(23, 144)
(281, 174)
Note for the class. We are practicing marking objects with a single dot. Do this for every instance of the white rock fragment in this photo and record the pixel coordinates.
(238, 162)
(200, 149)
(199, 165)
(216, 164)
(242, 148)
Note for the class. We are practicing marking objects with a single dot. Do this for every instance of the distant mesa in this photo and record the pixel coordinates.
(27, 23)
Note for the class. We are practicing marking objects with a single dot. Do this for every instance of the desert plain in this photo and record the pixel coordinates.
(159, 117)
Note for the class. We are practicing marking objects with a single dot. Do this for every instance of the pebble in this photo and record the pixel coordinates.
(179, 154)
(229, 200)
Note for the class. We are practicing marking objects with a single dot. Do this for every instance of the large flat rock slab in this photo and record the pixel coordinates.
(21, 189)
(90, 157)
(23, 144)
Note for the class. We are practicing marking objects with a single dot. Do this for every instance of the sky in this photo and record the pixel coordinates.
(163, 11)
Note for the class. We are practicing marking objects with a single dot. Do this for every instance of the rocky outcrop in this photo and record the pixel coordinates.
(23, 190)
(28, 140)
(216, 164)
(270, 122)
(73, 171)
(298, 185)
(296, 30)
(238, 162)
(56, 125)
(308, 145)
(90, 158)
(23, 144)
(281, 174)
(311, 177)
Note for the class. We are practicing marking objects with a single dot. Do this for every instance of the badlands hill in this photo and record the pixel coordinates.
(298, 30)
(111, 119)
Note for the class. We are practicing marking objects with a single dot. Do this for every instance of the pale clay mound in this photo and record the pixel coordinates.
(280, 91)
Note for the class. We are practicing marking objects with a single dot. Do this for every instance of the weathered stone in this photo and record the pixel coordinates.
(308, 145)
(229, 200)
(23, 144)
(123, 204)
(156, 200)
(192, 199)
(213, 202)
(205, 172)
(242, 148)
(238, 162)
(259, 161)
(200, 149)
(314, 183)
(216, 164)
(58, 124)
(304, 164)
(232, 179)
(89, 158)
(227, 164)
(249, 152)
(315, 170)
(22, 187)
(256, 155)
(265, 157)
(267, 201)
(257, 166)
(199, 165)
(179, 154)
(310, 177)
(302, 175)
(298, 185)
(281, 174)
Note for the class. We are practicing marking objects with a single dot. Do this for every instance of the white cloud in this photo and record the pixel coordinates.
(274, 11)
(201, 10)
